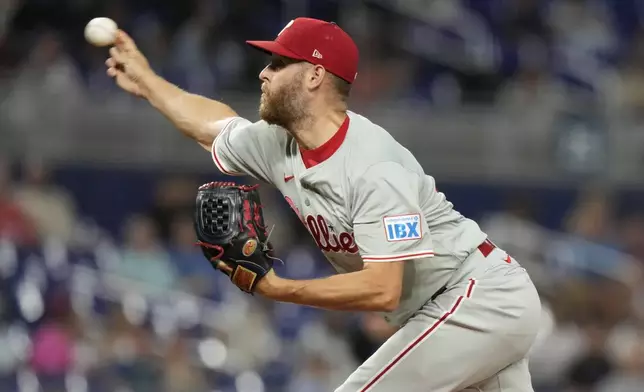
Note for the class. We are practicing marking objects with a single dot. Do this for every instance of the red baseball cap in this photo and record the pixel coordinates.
(317, 42)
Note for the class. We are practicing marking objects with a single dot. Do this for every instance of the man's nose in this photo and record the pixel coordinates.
(265, 74)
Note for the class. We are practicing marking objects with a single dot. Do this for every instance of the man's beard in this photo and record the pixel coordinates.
(283, 107)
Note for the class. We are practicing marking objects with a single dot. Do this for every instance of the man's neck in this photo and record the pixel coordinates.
(314, 131)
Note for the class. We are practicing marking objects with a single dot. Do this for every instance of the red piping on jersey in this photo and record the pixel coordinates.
(324, 152)
(218, 163)
(401, 257)
(213, 151)
(419, 339)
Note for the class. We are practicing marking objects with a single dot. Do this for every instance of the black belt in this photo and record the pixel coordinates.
(485, 248)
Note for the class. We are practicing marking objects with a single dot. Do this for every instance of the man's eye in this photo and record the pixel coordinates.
(277, 64)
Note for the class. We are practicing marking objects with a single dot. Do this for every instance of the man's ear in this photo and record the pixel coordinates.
(315, 77)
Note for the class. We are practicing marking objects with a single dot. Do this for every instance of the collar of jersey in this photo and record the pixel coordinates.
(320, 154)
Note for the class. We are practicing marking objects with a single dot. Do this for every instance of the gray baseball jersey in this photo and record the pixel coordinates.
(365, 198)
(370, 201)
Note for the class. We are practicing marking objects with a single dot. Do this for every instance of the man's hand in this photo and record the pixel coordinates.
(128, 66)
(196, 116)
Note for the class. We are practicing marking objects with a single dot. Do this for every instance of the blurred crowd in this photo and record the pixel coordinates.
(589, 275)
(84, 308)
(443, 51)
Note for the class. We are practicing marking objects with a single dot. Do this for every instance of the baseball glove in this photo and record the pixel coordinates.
(231, 232)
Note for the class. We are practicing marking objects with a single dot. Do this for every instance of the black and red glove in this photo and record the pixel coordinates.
(231, 231)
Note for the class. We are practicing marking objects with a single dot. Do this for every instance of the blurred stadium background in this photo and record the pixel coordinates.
(528, 112)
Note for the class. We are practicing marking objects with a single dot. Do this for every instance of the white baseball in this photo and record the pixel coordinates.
(101, 31)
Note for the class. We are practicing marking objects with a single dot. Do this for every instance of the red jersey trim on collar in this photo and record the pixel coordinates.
(318, 155)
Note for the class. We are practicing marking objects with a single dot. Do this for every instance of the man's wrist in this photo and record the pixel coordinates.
(271, 285)
(148, 84)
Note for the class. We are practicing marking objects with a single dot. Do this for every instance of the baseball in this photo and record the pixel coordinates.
(101, 31)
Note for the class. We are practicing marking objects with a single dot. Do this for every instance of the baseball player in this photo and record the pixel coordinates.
(467, 312)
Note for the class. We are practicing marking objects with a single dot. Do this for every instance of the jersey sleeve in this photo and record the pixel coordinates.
(388, 222)
(245, 148)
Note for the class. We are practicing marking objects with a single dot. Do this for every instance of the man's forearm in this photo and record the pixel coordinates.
(193, 114)
(355, 291)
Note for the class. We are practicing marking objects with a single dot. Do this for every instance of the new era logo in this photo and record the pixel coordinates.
(403, 227)
(317, 54)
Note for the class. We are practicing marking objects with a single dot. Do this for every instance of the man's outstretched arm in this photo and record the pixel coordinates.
(192, 114)
(377, 287)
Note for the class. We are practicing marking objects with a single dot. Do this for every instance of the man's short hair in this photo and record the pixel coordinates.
(342, 87)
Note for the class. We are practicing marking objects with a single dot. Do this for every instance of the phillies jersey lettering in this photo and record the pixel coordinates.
(370, 201)
(330, 242)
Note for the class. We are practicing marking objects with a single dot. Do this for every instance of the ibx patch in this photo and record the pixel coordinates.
(403, 227)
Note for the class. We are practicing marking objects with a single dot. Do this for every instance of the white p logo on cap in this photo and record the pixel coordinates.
(286, 27)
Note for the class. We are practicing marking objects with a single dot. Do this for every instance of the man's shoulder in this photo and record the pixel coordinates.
(362, 125)
(259, 129)
(261, 125)
(371, 136)
(371, 144)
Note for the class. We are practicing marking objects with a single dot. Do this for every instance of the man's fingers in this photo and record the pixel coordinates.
(116, 55)
(124, 42)
(110, 63)
(112, 72)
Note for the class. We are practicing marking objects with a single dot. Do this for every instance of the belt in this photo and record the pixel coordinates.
(485, 248)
